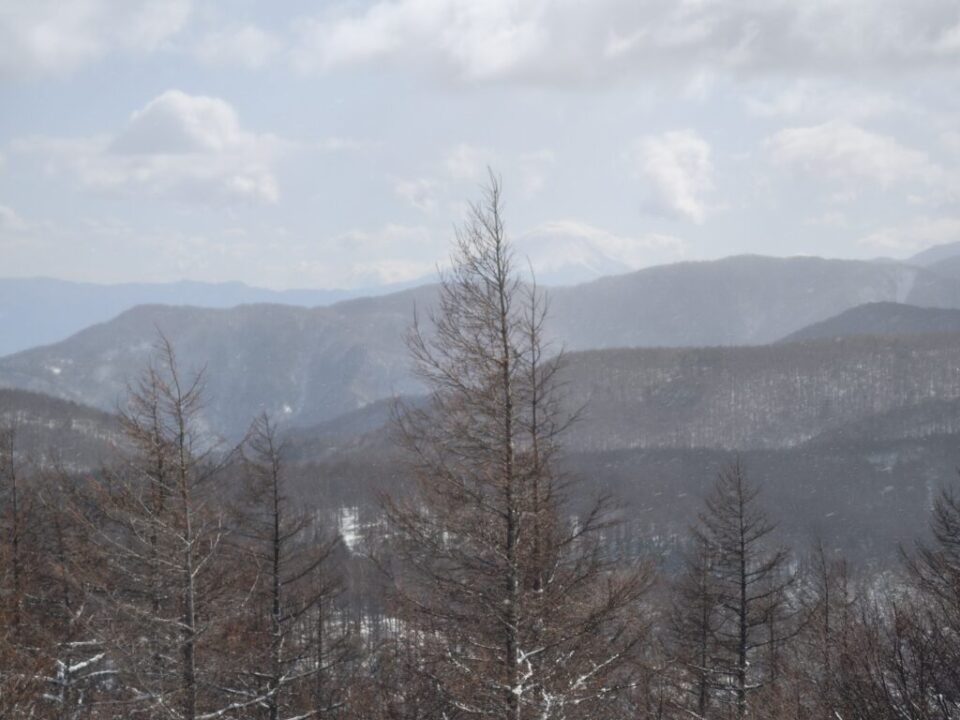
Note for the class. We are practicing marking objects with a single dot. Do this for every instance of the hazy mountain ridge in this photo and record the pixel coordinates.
(50, 430)
(734, 301)
(309, 365)
(743, 300)
(303, 365)
(883, 318)
(39, 311)
(754, 397)
(762, 397)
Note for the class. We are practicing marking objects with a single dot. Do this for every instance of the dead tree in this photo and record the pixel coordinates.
(160, 527)
(694, 624)
(301, 671)
(751, 579)
(78, 673)
(935, 571)
(21, 668)
(519, 611)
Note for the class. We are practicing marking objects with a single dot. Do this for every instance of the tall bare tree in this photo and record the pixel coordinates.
(751, 578)
(695, 621)
(519, 611)
(297, 665)
(160, 525)
(20, 666)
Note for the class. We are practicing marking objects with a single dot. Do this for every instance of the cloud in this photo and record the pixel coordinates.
(480, 40)
(420, 193)
(917, 234)
(849, 155)
(188, 147)
(390, 254)
(820, 99)
(467, 162)
(533, 168)
(51, 37)
(677, 172)
(950, 140)
(245, 46)
(10, 221)
(562, 42)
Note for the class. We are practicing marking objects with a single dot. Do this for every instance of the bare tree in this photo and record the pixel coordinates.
(519, 612)
(160, 526)
(695, 621)
(14, 528)
(935, 571)
(78, 674)
(21, 668)
(301, 672)
(751, 579)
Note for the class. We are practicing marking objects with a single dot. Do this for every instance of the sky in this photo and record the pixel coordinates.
(336, 144)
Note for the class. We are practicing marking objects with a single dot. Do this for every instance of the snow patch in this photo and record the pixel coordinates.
(348, 522)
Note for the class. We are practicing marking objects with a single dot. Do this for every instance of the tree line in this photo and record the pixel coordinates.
(188, 582)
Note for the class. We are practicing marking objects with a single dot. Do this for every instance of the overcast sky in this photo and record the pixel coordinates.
(333, 144)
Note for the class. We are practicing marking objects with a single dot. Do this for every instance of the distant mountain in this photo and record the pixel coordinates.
(935, 254)
(735, 301)
(309, 365)
(304, 365)
(39, 311)
(744, 300)
(53, 431)
(772, 396)
(948, 267)
(882, 319)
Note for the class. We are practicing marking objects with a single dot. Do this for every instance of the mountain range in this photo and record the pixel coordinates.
(307, 365)
(693, 303)
(39, 311)
(838, 381)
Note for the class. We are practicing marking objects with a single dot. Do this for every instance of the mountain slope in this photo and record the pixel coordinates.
(742, 300)
(311, 365)
(38, 311)
(936, 254)
(754, 397)
(768, 397)
(50, 430)
(882, 319)
(304, 365)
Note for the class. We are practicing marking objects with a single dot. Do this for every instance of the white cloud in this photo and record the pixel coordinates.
(917, 234)
(677, 173)
(949, 139)
(420, 193)
(246, 46)
(52, 37)
(10, 221)
(481, 40)
(557, 41)
(392, 253)
(820, 99)
(185, 146)
(533, 169)
(851, 156)
(467, 163)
